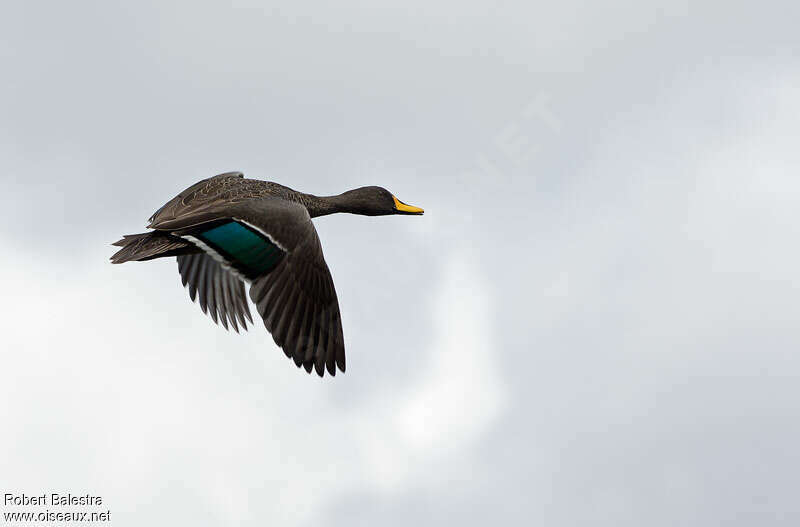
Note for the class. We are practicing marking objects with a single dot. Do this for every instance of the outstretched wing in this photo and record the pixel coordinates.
(297, 302)
(221, 293)
(273, 244)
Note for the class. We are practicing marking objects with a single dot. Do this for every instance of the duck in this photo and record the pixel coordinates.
(228, 232)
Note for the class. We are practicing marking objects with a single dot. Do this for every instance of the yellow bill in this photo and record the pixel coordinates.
(406, 209)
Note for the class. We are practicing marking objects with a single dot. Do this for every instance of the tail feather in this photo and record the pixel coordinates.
(149, 245)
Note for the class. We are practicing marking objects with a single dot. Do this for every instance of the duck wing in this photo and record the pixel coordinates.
(221, 292)
(224, 189)
(202, 193)
(271, 243)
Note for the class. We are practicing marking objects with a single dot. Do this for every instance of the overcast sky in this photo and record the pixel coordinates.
(594, 323)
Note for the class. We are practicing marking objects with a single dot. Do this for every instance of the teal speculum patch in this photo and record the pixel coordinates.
(246, 249)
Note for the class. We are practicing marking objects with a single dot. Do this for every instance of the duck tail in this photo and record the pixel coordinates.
(149, 245)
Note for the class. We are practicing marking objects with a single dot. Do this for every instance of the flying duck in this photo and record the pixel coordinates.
(228, 230)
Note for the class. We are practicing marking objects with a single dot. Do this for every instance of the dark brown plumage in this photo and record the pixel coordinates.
(227, 230)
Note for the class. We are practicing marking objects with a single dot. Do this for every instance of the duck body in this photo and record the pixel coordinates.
(228, 231)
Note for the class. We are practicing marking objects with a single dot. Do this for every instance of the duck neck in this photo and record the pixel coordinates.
(323, 205)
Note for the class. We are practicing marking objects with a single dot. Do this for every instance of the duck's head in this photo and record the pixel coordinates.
(374, 201)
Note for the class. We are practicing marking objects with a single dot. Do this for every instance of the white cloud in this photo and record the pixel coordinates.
(456, 395)
(121, 397)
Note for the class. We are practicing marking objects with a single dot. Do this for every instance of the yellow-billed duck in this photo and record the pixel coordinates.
(228, 230)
